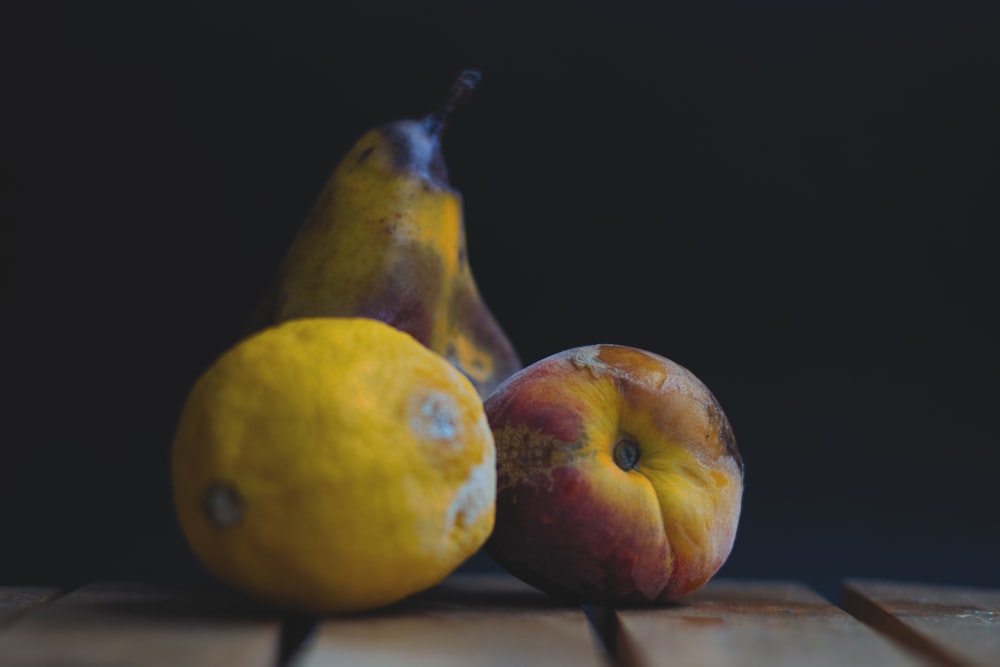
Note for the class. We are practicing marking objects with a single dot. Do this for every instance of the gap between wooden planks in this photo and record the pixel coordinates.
(751, 623)
(955, 626)
(497, 620)
(468, 620)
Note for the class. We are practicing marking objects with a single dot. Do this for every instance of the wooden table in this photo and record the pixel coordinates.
(472, 620)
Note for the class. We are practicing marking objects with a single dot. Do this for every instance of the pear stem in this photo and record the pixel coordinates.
(462, 88)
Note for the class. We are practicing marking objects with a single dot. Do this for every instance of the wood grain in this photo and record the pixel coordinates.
(123, 624)
(749, 624)
(955, 626)
(469, 619)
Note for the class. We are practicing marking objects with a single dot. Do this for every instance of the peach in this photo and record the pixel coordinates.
(619, 479)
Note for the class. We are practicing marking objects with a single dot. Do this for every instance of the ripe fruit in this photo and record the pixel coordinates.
(333, 465)
(619, 480)
(386, 240)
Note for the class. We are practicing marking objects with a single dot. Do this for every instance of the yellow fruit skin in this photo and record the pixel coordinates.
(358, 464)
(386, 240)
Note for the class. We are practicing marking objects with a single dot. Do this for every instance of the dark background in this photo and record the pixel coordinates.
(794, 202)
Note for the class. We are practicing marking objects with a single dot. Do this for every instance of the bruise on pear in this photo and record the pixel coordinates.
(386, 240)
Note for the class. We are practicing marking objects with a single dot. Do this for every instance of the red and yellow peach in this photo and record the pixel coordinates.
(619, 479)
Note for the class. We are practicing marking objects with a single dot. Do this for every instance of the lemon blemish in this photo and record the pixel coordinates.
(436, 417)
(222, 504)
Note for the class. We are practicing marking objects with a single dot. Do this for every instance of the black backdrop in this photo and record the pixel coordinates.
(794, 200)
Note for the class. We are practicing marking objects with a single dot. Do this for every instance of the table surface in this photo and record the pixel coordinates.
(472, 619)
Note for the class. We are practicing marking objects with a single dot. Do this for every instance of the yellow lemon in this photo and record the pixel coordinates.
(333, 465)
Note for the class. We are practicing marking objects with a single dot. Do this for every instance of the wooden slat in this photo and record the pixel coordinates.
(15, 601)
(469, 619)
(124, 624)
(953, 625)
(748, 624)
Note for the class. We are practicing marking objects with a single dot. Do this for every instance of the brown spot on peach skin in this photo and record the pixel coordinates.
(631, 367)
(523, 453)
(725, 432)
(658, 386)
(588, 554)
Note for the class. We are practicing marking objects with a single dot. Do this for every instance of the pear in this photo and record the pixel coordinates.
(386, 240)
